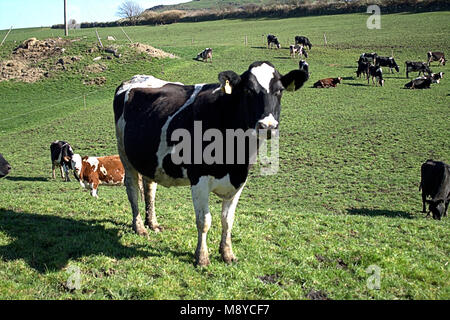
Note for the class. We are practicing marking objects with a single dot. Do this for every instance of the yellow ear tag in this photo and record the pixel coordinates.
(227, 87)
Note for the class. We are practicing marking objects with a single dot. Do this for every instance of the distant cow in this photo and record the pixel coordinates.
(424, 82)
(93, 171)
(421, 67)
(272, 40)
(303, 65)
(5, 168)
(376, 72)
(327, 83)
(388, 62)
(304, 41)
(436, 56)
(435, 183)
(297, 49)
(363, 69)
(369, 57)
(60, 154)
(205, 55)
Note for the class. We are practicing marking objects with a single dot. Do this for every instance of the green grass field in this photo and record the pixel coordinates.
(345, 198)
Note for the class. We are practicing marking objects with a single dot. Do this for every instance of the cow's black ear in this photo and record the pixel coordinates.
(228, 81)
(294, 79)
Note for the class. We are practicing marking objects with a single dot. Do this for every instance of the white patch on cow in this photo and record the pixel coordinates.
(142, 81)
(77, 164)
(269, 122)
(93, 161)
(103, 170)
(223, 187)
(264, 74)
(164, 149)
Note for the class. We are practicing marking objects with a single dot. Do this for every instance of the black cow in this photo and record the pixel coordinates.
(303, 41)
(205, 55)
(61, 155)
(435, 182)
(388, 62)
(303, 65)
(436, 56)
(376, 72)
(5, 168)
(363, 69)
(151, 115)
(421, 67)
(272, 40)
(368, 57)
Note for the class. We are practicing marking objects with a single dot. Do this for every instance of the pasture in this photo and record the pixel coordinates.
(345, 197)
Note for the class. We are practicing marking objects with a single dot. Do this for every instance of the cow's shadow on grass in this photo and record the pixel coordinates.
(34, 179)
(47, 242)
(356, 84)
(378, 213)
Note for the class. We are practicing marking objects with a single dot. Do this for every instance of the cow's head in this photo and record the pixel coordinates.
(257, 92)
(437, 208)
(394, 64)
(5, 168)
(77, 164)
(436, 77)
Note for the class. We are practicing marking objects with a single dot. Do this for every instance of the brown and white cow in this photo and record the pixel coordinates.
(327, 83)
(93, 171)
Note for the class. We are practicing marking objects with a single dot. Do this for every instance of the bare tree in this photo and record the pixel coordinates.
(130, 10)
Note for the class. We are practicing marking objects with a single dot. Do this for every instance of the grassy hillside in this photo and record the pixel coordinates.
(345, 198)
(210, 4)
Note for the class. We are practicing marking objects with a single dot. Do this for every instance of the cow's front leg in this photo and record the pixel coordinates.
(228, 210)
(66, 171)
(132, 185)
(53, 171)
(94, 187)
(150, 213)
(200, 198)
(62, 172)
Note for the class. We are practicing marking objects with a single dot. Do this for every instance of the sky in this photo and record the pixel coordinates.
(38, 13)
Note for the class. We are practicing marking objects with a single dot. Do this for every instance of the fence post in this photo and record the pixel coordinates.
(245, 41)
(325, 39)
(98, 38)
(5, 36)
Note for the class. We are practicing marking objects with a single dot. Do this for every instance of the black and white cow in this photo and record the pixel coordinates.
(272, 40)
(388, 62)
(363, 69)
(304, 41)
(435, 183)
(61, 155)
(297, 49)
(368, 57)
(205, 55)
(421, 67)
(150, 114)
(303, 65)
(424, 82)
(436, 56)
(5, 168)
(376, 72)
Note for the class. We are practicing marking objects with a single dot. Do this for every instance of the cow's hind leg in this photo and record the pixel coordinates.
(228, 210)
(149, 196)
(200, 198)
(132, 185)
(424, 198)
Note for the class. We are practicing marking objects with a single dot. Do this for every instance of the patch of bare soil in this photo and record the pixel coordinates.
(24, 59)
(96, 68)
(317, 295)
(151, 51)
(98, 81)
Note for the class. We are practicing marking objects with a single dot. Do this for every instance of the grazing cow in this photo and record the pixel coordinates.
(272, 40)
(435, 182)
(93, 171)
(425, 81)
(303, 65)
(304, 41)
(150, 120)
(421, 67)
(363, 69)
(369, 57)
(327, 83)
(375, 72)
(436, 56)
(297, 49)
(5, 168)
(61, 153)
(388, 62)
(205, 55)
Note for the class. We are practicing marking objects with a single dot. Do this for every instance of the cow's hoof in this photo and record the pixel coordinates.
(155, 227)
(141, 231)
(228, 256)
(202, 262)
